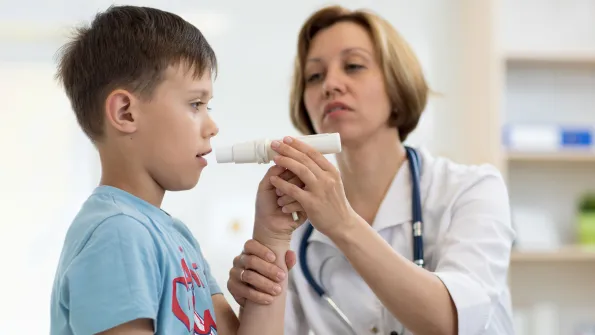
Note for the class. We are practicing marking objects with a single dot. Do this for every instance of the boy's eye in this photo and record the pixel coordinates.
(198, 105)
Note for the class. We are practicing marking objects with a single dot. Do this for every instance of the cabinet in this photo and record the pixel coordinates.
(548, 56)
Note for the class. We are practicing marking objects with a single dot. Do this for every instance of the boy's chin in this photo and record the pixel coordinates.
(183, 185)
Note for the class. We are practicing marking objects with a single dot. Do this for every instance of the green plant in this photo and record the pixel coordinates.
(587, 203)
(586, 219)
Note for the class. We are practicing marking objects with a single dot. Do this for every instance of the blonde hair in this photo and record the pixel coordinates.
(403, 75)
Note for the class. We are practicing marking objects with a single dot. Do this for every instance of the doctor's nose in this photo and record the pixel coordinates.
(333, 84)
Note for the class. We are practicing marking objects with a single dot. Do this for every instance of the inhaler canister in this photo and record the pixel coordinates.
(260, 151)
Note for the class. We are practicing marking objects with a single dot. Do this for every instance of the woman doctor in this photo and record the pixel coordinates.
(356, 76)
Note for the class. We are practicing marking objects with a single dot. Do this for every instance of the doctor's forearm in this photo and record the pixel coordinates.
(413, 295)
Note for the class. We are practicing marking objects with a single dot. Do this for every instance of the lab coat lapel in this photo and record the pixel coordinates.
(395, 208)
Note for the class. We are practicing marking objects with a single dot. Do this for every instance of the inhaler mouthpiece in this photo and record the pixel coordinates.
(260, 151)
(224, 154)
(246, 152)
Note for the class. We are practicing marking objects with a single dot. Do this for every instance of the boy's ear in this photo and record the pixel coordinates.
(121, 111)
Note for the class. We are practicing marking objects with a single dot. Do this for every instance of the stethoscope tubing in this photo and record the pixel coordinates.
(417, 232)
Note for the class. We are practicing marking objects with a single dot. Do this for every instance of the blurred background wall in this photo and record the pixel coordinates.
(517, 88)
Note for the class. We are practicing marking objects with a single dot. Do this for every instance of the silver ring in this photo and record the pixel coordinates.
(242, 275)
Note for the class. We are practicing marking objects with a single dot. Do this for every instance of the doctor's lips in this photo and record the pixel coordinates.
(335, 107)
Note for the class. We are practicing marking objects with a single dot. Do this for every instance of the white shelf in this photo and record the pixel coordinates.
(564, 254)
(548, 57)
(542, 157)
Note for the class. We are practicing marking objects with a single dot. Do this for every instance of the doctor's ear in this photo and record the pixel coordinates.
(121, 111)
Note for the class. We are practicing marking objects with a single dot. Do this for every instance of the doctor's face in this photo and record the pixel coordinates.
(345, 90)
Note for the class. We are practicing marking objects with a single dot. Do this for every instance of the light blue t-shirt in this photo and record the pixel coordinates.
(125, 259)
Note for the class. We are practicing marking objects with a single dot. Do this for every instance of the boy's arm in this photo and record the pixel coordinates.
(268, 319)
(112, 284)
(227, 321)
(256, 318)
(273, 229)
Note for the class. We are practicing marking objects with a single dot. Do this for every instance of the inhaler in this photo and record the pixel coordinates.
(260, 151)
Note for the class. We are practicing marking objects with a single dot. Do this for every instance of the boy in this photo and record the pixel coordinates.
(139, 81)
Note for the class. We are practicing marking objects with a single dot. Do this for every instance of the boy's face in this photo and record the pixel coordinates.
(174, 129)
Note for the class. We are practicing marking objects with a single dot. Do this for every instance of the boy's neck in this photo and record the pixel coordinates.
(149, 192)
(118, 173)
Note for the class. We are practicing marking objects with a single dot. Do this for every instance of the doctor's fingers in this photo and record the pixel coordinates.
(253, 247)
(294, 207)
(242, 291)
(251, 285)
(287, 175)
(258, 265)
(285, 199)
(292, 180)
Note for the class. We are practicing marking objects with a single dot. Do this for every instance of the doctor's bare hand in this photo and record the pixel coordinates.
(322, 197)
(260, 281)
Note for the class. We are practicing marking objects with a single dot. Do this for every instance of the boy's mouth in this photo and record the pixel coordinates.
(204, 153)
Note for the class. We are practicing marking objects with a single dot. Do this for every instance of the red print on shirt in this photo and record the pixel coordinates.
(202, 325)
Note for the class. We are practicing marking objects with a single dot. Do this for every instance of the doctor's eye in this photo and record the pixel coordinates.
(313, 77)
(353, 67)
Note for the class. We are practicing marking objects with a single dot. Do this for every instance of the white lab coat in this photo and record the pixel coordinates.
(467, 244)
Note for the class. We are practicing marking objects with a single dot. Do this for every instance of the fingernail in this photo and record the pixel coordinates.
(281, 275)
(275, 144)
(270, 257)
(277, 289)
(288, 139)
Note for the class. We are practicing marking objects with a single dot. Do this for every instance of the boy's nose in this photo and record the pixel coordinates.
(210, 129)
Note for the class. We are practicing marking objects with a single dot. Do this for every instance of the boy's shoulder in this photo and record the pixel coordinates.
(109, 246)
(107, 201)
(118, 242)
(111, 211)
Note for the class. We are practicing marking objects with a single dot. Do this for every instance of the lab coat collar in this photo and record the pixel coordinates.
(395, 208)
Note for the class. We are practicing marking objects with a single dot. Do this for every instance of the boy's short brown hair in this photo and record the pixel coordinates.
(127, 47)
(403, 75)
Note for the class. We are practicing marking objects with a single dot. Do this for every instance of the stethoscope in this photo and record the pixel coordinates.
(418, 248)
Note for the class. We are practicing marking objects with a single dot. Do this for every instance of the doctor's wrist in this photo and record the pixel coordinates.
(349, 230)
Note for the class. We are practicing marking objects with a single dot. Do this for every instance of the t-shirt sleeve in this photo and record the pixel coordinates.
(211, 281)
(114, 279)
